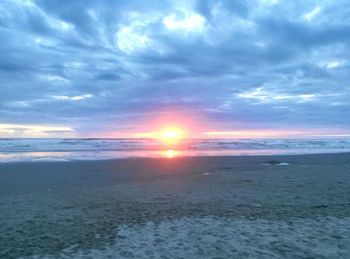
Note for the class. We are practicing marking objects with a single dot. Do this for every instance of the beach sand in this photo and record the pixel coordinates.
(195, 207)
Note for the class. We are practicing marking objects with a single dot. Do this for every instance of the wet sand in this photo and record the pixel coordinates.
(181, 207)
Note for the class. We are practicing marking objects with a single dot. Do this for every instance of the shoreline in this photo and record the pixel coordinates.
(170, 158)
(106, 149)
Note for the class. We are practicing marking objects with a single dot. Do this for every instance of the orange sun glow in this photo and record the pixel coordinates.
(172, 135)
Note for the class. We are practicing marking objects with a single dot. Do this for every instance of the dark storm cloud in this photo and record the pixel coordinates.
(262, 63)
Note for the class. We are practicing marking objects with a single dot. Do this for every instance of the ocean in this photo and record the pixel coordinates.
(15, 149)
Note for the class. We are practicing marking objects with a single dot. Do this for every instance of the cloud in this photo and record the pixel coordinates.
(184, 21)
(232, 63)
(312, 14)
(72, 98)
(29, 131)
(267, 96)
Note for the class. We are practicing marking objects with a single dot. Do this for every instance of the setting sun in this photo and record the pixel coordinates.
(172, 135)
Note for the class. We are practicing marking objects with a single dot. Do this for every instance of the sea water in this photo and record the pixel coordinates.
(15, 149)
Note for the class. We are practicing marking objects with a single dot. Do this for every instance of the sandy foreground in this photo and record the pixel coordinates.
(200, 207)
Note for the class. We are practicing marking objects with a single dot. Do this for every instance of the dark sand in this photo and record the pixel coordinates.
(201, 207)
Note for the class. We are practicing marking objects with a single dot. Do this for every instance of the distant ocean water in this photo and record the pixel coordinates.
(14, 149)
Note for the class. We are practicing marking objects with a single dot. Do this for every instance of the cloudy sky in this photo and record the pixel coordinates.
(106, 68)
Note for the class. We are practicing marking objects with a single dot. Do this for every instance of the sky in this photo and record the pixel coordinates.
(108, 68)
